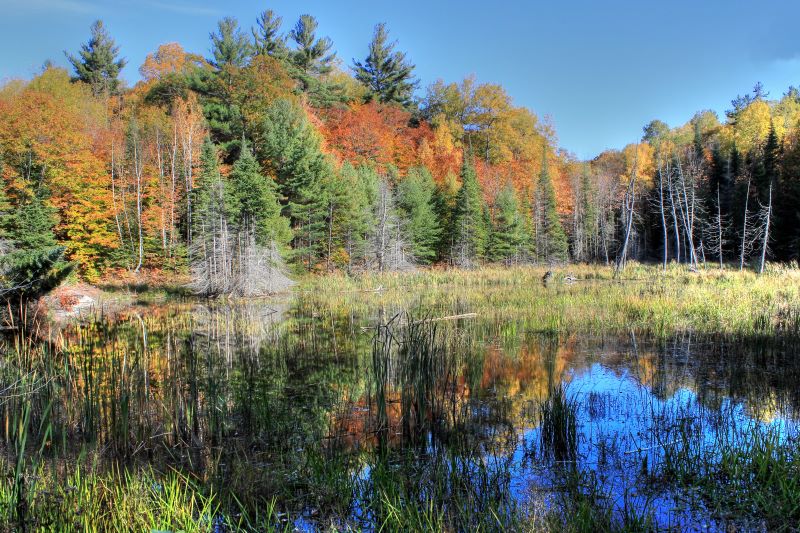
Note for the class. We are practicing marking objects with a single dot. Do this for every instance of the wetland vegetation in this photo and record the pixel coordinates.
(445, 400)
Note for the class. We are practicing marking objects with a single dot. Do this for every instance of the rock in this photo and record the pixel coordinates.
(71, 301)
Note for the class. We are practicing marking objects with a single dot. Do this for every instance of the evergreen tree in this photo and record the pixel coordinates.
(342, 217)
(312, 55)
(551, 243)
(267, 39)
(415, 196)
(385, 73)
(586, 220)
(469, 223)
(293, 151)
(363, 183)
(212, 200)
(257, 206)
(96, 63)
(311, 61)
(787, 213)
(229, 46)
(771, 164)
(33, 262)
(6, 218)
(212, 240)
(444, 202)
(508, 232)
(230, 52)
(238, 229)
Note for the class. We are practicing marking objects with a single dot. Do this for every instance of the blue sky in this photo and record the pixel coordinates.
(600, 69)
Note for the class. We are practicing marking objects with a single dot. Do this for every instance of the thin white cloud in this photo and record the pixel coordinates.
(69, 6)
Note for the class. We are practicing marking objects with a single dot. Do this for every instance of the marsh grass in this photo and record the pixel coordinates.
(647, 301)
(355, 408)
(559, 425)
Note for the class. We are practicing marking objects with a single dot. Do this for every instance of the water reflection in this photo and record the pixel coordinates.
(283, 400)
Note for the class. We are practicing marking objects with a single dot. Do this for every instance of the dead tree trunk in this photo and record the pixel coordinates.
(628, 205)
(663, 215)
(766, 220)
(744, 227)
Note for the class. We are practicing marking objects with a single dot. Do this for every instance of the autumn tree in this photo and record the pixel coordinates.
(386, 73)
(96, 63)
(53, 132)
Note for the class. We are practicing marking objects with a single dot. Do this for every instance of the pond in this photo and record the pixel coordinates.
(355, 414)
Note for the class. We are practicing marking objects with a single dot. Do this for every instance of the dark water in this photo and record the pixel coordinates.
(280, 400)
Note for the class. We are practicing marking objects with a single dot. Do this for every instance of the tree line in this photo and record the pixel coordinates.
(268, 155)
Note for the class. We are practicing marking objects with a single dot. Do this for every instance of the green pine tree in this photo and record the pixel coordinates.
(6, 217)
(33, 262)
(586, 216)
(444, 202)
(469, 223)
(292, 148)
(348, 194)
(267, 39)
(508, 237)
(386, 73)
(415, 195)
(311, 61)
(551, 245)
(313, 55)
(256, 199)
(229, 45)
(215, 85)
(97, 63)
(213, 202)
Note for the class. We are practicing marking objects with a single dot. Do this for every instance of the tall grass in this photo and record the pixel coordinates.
(559, 425)
(324, 412)
(647, 301)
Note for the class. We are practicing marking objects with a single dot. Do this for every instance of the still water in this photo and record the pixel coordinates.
(307, 404)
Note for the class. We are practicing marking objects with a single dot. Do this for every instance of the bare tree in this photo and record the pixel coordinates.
(388, 249)
(661, 172)
(228, 260)
(689, 173)
(765, 215)
(714, 233)
(749, 231)
(628, 204)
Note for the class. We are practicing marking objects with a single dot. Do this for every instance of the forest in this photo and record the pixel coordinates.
(265, 288)
(269, 156)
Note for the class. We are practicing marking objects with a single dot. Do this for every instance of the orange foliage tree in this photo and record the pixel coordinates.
(374, 134)
(61, 127)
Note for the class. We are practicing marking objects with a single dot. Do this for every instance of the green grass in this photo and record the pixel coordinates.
(185, 416)
(645, 300)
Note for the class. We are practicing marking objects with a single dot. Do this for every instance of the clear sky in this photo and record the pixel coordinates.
(601, 69)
